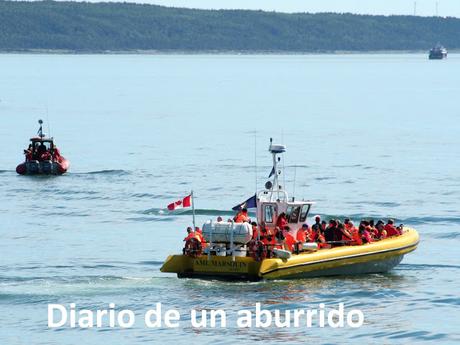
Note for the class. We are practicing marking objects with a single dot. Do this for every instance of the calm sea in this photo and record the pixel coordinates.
(367, 135)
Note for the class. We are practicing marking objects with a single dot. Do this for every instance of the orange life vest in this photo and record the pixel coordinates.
(313, 235)
(357, 240)
(241, 218)
(290, 240)
(199, 237)
(301, 235)
(349, 226)
(281, 222)
(189, 236)
(391, 230)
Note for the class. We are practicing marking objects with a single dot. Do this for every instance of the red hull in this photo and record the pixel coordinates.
(43, 168)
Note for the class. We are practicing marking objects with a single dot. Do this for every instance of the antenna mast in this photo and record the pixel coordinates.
(40, 130)
(275, 150)
(48, 120)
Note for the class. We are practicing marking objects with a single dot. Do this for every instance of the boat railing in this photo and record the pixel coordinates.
(273, 195)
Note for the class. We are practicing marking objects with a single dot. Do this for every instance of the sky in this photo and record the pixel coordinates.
(385, 7)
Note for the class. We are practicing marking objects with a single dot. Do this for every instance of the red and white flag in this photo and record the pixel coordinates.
(179, 204)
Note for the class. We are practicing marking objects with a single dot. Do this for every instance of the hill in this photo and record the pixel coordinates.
(80, 26)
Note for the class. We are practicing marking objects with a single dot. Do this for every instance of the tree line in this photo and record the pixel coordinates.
(81, 26)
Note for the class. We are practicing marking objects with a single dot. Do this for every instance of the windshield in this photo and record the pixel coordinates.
(292, 214)
(304, 212)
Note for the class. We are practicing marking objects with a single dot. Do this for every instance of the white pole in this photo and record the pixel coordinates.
(210, 243)
(193, 210)
(295, 174)
(255, 158)
(231, 242)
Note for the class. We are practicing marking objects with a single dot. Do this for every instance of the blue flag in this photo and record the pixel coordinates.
(250, 203)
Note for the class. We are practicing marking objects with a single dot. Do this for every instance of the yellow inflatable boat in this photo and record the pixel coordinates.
(376, 257)
(227, 253)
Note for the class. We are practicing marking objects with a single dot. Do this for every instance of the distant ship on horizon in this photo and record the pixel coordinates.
(438, 52)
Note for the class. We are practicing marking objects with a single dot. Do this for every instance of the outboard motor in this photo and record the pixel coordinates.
(47, 167)
(33, 167)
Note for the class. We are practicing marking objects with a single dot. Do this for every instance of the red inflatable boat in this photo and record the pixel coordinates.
(42, 157)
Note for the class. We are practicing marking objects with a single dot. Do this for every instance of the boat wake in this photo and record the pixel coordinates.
(116, 172)
(45, 289)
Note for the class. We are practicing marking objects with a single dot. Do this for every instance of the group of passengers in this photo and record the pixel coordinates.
(325, 234)
(337, 233)
(41, 153)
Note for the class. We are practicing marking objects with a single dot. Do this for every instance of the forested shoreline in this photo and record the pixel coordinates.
(45, 26)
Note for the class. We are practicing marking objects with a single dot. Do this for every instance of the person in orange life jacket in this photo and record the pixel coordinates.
(380, 232)
(255, 231)
(390, 229)
(320, 239)
(279, 238)
(199, 235)
(348, 224)
(281, 222)
(375, 232)
(371, 223)
(269, 239)
(40, 151)
(343, 234)
(28, 153)
(242, 216)
(357, 238)
(284, 239)
(46, 156)
(367, 226)
(314, 235)
(364, 234)
(190, 234)
(264, 234)
(290, 240)
(337, 232)
(302, 234)
(372, 229)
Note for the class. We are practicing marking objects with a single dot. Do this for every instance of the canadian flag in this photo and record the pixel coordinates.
(185, 202)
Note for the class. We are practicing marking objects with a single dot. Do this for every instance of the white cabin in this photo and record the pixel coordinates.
(274, 200)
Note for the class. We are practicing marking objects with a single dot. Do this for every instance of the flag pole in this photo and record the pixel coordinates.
(193, 210)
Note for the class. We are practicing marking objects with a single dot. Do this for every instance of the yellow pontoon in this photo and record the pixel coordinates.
(374, 257)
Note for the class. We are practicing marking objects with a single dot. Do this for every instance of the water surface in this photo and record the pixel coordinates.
(366, 135)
